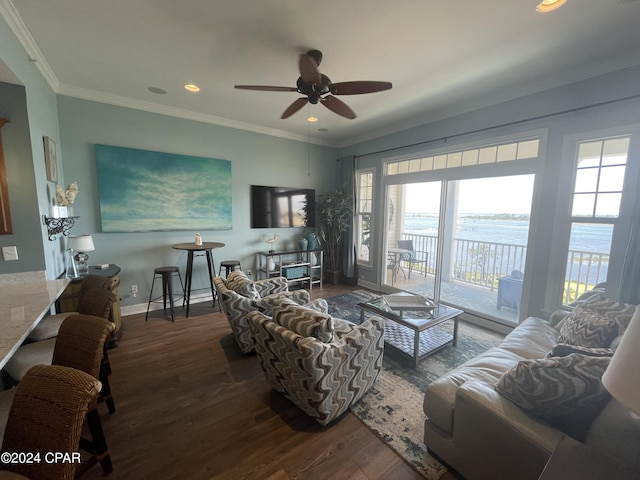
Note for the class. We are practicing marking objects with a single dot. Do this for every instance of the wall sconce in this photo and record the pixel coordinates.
(78, 264)
(57, 226)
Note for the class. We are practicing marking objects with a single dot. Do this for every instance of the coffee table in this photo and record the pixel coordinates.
(411, 333)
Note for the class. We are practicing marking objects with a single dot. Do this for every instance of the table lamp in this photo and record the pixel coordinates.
(622, 377)
(80, 244)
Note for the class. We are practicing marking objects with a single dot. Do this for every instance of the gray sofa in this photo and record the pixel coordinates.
(482, 434)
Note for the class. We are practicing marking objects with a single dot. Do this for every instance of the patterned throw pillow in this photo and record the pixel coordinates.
(565, 391)
(620, 313)
(304, 321)
(242, 285)
(564, 349)
(587, 328)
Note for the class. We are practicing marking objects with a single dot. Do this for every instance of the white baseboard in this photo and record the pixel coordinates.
(142, 307)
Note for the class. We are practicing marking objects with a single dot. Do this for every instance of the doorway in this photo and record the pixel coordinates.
(469, 242)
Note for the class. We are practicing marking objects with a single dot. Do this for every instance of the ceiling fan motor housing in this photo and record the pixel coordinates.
(317, 88)
(314, 91)
(316, 55)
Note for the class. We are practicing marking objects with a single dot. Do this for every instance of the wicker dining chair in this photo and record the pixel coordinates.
(42, 351)
(79, 344)
(47, 415)
(91, 301)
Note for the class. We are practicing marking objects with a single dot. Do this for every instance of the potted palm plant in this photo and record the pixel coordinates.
(334, 212)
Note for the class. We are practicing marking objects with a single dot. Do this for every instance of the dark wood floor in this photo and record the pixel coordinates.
(190, 406)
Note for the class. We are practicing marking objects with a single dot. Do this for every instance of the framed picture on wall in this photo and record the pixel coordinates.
(148, 191)
(50, 159)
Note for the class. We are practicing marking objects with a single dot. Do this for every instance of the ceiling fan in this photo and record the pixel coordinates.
(319, 88)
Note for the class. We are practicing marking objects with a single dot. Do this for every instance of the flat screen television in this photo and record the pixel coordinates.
(282, 207)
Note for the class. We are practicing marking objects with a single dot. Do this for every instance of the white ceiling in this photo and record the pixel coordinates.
(443, 57)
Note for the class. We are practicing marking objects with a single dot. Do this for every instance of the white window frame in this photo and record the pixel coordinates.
(361, 213)
(565, 220)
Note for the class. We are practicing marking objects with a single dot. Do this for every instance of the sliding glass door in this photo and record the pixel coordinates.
(468, 242)
(413, 220)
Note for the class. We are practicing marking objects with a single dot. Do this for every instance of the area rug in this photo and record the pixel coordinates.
(392, 408)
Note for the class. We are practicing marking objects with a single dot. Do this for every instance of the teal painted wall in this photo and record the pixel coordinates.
(33, 112)
(255, 159)
(22, 186)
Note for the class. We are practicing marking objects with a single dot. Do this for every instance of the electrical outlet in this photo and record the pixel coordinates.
(9, 253)
(134, 291)
(249, 273)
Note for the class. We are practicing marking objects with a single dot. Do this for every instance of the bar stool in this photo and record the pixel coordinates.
(229, 266)
(167, 274)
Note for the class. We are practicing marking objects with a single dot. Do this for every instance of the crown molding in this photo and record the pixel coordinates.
(184, 114)
(13, 19)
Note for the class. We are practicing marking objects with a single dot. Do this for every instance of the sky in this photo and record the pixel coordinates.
(511, 195)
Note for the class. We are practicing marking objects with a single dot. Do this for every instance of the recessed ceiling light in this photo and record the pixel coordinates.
(158, 90)
(312, 119)
(549, 5)
(190, 87)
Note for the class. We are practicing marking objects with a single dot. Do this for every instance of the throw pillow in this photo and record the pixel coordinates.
(620, 313)
(242, 285)
(564, 349)
(587, 328)
(566, 391)
(304, 321)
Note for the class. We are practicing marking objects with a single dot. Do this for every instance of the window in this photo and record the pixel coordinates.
(520, 150)
(599, 178)
(466, 209)
(363, 215)
(595, 212)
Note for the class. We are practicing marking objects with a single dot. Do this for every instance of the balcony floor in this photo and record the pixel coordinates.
(481, 301)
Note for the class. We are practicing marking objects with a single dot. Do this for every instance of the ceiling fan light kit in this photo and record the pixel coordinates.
(319, 88)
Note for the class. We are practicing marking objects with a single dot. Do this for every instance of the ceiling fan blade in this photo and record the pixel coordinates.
(266, 88)
(309, 70)
(294, 107)
(338, 106)
(358, 87)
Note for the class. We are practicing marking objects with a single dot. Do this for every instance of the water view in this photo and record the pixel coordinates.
(594, 238)
(481, 240)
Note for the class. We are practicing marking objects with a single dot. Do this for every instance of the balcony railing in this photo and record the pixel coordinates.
(483, 263)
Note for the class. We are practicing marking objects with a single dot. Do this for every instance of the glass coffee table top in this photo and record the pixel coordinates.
(411, 332)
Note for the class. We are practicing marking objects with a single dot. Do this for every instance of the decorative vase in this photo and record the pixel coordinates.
(303, 243)
(313, 260)
(312, 241)
(271, 264)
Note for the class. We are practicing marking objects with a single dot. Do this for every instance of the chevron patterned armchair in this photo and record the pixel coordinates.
(322, 364)
(238, 296)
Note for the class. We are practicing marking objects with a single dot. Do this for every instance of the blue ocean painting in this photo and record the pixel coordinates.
(143, 191)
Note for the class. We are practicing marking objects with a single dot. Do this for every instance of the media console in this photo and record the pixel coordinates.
(299, 267)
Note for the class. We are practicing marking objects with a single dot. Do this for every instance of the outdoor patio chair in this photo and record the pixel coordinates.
(510, 290)
(413, 257)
